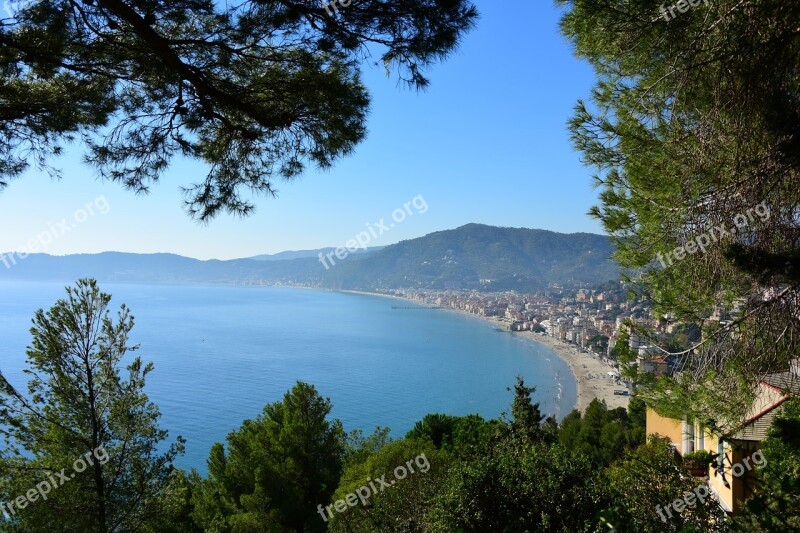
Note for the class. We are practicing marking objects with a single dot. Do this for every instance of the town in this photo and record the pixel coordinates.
(594, 320)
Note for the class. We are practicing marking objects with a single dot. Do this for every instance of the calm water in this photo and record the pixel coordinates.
(221, 353)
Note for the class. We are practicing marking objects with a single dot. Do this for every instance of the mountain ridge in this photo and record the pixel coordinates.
(483, 257)
(472, 256)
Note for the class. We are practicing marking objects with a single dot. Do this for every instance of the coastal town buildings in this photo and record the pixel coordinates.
(591, 319)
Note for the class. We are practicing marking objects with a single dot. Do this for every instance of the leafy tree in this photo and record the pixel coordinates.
(570, 429)
(358, 447)
(401, 506)
(685, 335)
(472, 435)
(434, 427)
(775, 506)
(601, 435)
(254, 89)
(524, 486)
(637, 414)
(622, 352)
(177, 508)
(276, 470)
(462, 436)
(614, 437)
(78, 405)
(594, 418)
(649, 480)
(693, 129)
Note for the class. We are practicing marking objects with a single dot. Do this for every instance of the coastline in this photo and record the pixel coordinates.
(589, 372)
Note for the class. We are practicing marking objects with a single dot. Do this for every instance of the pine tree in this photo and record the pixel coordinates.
(527, 419)
(257, 90)
(276, 470)
(693, 130)
(82, 419)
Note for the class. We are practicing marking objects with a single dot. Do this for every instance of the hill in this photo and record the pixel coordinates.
(474, 256)
(477, 256)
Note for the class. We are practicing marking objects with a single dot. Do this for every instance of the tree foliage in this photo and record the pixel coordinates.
(520, 487)
(602, 435)
(358, 447)
(462, 436)
(402, 506)
(256, 90)
(526, 417)
(275, 469)
(648, 481)
(775, 505)
(78, 405)
(693, 128)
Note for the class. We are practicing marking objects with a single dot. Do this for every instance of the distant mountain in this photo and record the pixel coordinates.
(304, 254)
(474, 256)
(483, 257)
(158, 268)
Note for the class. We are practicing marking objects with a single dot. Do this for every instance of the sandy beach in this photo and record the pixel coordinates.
(591, 374)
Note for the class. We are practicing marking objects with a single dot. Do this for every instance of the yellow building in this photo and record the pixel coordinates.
(731, 480)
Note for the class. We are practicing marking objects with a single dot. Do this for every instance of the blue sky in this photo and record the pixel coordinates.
(487, 143)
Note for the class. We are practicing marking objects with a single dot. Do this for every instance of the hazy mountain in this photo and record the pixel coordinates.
(158, 268)
(470, 257)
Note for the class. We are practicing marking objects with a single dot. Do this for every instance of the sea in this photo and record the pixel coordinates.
(221, 353)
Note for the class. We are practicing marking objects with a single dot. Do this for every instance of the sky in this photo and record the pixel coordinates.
(487, 142)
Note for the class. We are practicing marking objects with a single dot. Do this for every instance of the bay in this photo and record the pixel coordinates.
(223, 352)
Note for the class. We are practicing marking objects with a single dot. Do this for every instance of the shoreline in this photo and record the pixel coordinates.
(589, 372)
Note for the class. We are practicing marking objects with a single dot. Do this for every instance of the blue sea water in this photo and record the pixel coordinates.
(223, 352)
